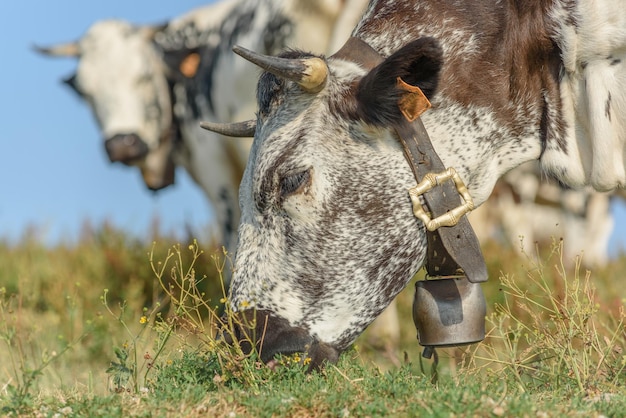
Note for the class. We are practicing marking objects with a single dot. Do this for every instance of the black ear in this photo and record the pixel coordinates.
(72, 83)
(417, 63)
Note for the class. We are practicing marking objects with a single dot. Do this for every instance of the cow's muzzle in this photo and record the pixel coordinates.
(125, 148)
(271, 336)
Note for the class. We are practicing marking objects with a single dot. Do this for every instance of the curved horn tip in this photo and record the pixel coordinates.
(70, 49)
(309, 72)
(41, 49)
(254, 57)
(237, 49)
(244, 129)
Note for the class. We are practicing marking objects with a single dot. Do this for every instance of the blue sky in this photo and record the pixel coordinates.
(54, 173)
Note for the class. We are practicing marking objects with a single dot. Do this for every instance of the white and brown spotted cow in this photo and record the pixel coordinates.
(328, 236)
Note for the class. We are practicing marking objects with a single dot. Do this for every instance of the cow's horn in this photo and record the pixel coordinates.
(238, 129)
(310, 73)
(149, 32)
(70, 49)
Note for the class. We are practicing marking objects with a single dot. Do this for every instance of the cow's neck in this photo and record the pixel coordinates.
(496, 92)
(453, 248)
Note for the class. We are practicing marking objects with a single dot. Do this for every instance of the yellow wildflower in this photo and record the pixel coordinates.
(143, 319)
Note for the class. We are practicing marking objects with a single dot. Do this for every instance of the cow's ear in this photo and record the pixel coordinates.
(183, 62)
(73, 84)
(401, 85)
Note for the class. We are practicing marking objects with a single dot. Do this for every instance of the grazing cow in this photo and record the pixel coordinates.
(328, 235)
(148, 87)
(148, 90)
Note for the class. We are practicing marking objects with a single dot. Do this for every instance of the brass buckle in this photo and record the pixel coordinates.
(449, 218)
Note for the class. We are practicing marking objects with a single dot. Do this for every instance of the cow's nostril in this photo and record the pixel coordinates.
(130, 140)
(125, 148)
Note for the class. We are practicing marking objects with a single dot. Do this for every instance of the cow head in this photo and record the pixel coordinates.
(327, 237)
(122, 77)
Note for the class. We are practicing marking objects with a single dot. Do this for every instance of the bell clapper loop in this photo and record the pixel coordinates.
(428, 351)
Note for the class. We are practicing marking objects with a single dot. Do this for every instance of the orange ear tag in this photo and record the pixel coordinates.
(413, 101)
(189, 65)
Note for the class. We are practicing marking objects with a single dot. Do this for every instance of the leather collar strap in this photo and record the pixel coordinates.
(452, 250)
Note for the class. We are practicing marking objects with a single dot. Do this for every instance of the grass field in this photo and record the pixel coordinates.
(114, 326)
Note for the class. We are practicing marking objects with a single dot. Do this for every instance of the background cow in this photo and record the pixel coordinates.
(150, 86)
(327, 237)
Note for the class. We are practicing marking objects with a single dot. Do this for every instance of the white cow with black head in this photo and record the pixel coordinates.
(327, 236)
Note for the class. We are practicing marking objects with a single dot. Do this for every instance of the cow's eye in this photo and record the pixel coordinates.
(295, 183)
